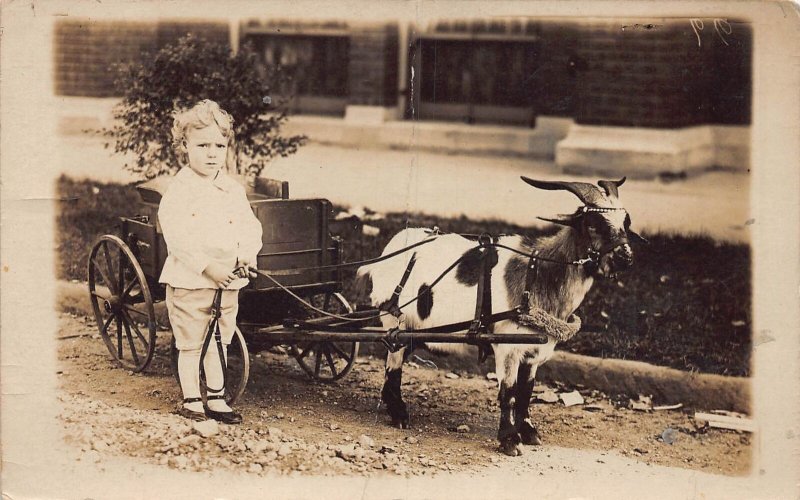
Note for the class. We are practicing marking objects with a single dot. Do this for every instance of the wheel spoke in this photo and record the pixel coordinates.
(318, 354)
(107, 324)
(341, 353)
(109, 284)
(128, 288)
(119, 339)
(130, 341)
(136, 329)
(330, 361)
(123, 261)
(110, 267)
(133, 309)
(304, 352)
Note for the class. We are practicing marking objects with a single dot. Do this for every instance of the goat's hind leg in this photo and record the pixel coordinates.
(391, 393)
(525, 380)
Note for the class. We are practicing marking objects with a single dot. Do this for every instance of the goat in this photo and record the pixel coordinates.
(594, 242)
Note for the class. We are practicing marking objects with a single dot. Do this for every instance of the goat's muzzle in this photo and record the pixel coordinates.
(623, 256)
(616, 260)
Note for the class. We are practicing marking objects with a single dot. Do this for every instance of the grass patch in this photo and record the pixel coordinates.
(685, 303)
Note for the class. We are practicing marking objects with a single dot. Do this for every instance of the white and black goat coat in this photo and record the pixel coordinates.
(599, 229)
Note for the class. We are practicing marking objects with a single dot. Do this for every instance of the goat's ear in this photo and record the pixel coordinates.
(610, 187)
(563, 220)
(637, 237)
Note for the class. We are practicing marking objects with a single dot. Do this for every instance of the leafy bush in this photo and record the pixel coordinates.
(180, 75)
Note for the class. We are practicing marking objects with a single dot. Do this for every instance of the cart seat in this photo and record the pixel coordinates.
(152, 190)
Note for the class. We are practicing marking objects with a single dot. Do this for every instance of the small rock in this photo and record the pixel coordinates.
(179, 462)
(644, 403)
(285, 450)
(92, 456)
(268, 458)
(258, 446)
(451, 375)
(594, 407)
(274, 432)
(191, 439)
(255, 468)
(99, 445)
(669, 435)
(463, 428)
(491, 376)
(387, 449)
(548, 396)
(347, 452)
(411, 440)
(334, 426)
(494, 460)
(279, 415)
(571, 398)
(206, 428)
(366, 441)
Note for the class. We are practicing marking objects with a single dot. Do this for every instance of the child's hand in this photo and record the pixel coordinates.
(219, 274)
(246, 270)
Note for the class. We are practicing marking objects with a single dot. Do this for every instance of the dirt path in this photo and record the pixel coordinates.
(293, 426)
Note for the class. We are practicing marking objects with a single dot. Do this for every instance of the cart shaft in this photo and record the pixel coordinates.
(281, 335)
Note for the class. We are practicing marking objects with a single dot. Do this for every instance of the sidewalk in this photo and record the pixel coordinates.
(478, 187)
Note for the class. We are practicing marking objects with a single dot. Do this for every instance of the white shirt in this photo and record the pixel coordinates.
(205, 221)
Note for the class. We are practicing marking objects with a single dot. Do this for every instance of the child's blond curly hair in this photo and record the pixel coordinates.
(201, 115)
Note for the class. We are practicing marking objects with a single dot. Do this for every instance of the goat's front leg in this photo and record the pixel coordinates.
(507, 366)
(525, 380)
(391, 393)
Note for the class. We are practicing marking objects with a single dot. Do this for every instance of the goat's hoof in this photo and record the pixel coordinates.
(401, 423)
(511, 448)
(528, 433)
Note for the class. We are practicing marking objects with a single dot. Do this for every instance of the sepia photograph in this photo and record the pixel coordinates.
(401, 249)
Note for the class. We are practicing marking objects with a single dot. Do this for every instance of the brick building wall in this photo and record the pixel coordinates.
(85, 50)
(669, 75)
(372, 67)
(662, 75)
(555, 81)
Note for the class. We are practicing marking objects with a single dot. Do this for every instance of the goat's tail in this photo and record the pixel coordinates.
(363, 285)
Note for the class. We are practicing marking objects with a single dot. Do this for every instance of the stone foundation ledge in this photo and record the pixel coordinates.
(646, 153)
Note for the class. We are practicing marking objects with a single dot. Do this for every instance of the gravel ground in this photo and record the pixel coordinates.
(293, 426)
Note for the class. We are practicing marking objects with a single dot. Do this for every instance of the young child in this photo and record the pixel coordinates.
(210, 232)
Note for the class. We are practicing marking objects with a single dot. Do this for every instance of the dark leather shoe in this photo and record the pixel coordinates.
(226, 417)
(197, 416)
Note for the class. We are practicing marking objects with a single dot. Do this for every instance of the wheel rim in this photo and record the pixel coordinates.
(327, 361)
(122, 304)
(237, 370)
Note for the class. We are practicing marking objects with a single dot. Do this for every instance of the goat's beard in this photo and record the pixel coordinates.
(607, 268)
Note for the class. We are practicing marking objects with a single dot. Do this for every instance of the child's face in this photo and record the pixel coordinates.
(207, 149)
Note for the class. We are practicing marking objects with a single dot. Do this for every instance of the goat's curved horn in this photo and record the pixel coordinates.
(587, 193)
(610, 187)
(562, 220)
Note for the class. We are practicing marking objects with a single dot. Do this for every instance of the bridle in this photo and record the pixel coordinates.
(594, 254)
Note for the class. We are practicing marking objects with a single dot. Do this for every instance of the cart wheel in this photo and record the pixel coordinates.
(122, 304)
(238, 370)
(327, 361)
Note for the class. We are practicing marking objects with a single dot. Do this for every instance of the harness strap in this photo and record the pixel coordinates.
(347, 265)
(530, 278)
(391, 304)
(213, 330)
